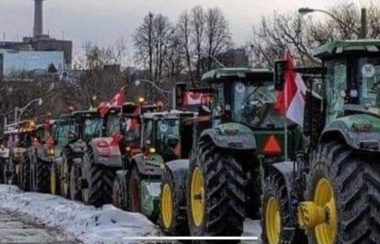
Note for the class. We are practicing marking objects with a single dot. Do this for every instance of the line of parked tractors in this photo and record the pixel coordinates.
(201, 170)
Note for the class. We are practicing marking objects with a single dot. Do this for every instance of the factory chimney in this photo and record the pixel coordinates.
(38, 18)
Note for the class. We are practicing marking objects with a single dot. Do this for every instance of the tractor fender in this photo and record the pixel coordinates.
(360, 132)
(231, 136)
(148, 165)
(287, 171)
(122, 175)
(105, 152)
(178, 168)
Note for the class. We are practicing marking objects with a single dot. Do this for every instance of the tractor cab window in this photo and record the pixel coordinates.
(131, 131)
(368, 76)
(219, 104)
(62, 133)
(148, 133)
(336, 84)
(92, 128)
(253, 104)
(168, 137)
(113, 125)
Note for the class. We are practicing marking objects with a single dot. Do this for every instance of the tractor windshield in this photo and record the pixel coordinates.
(253, 104)
(354, 80)
(168, 136)
(92, 127)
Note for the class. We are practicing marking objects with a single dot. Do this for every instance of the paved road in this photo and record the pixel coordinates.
(15, 228)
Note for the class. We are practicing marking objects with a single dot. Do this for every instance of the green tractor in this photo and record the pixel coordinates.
(162, 140)
(130, 145)
(239, 133)
(332, 188)
(71, 132)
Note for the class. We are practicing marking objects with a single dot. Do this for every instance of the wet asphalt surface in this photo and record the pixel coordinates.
(15, 228)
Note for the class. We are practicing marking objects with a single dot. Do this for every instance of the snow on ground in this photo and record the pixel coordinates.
(86, 223)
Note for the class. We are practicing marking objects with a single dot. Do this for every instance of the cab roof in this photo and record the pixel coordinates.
(345, 46)
(234, 74)
(167, 114)
(85, 113)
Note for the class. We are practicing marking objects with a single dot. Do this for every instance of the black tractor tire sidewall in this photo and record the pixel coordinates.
(75, 192)
(179, 222)
(275, 186)
(134, 178)
(355, 179)
(224, 167)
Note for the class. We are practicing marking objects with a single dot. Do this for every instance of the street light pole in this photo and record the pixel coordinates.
(163, 92)
(363, 20)
(20, 111)
(363, 28)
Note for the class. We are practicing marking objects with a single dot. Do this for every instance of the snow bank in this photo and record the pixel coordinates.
(88, 224)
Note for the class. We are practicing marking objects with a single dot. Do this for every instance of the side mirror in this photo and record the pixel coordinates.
(279, 74)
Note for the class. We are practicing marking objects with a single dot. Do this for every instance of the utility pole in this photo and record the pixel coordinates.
(363, 26)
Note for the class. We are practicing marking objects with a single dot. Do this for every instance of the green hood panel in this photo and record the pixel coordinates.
(360, 119)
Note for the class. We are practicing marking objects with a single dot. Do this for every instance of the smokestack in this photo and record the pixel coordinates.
(38, 18)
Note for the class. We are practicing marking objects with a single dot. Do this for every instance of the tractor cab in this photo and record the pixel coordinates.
(89, 124)
(243, 95)
(348, 93)
(168, 134)
(247, 97)
(352, 77)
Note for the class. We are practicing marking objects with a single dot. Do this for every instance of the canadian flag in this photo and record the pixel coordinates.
(291, 100)
(195, 98)
(116, 101)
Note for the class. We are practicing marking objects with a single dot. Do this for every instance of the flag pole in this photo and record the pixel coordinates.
(286, 119)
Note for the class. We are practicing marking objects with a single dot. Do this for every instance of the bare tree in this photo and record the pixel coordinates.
(290, 30)
(197, 16)
(184, 33)
(218, 37)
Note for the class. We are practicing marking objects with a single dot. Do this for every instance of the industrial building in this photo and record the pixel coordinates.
(35, 53)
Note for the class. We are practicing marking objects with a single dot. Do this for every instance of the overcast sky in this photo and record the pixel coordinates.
(105, 21)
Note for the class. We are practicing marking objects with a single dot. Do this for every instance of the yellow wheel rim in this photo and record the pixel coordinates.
(53, 183)
(197, 196)
(167, 206)
(325, 233)
(273, 221)
(65, 178)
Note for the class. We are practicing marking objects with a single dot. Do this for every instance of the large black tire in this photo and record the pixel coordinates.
(2, 181)
(24, 174)
(65, 173)
(177, 226)
(97, 189)
(355, 179)
(224, 192)
(275, 190)
(75, 186)
(55, 185)
(40, 175)
(6, 173)
(119, 191)
(134, 191)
